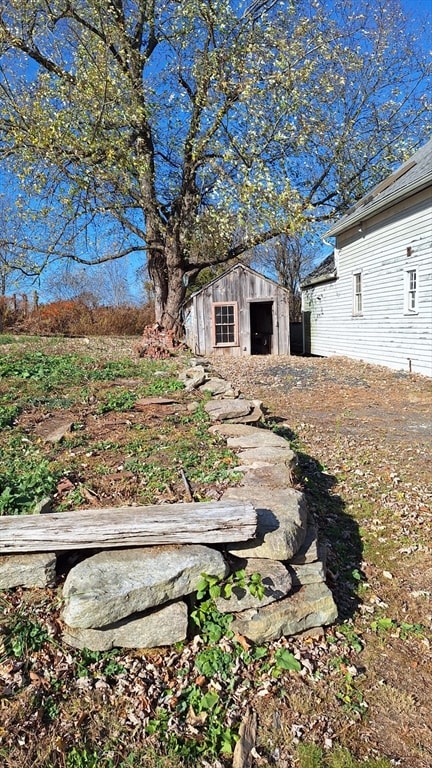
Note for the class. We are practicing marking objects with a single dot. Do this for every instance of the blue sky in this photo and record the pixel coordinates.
(420, 12)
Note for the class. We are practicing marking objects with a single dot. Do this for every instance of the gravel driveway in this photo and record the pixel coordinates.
(364, 434)
(357, 397)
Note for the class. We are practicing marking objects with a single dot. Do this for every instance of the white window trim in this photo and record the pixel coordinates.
(357, 311)
(411, 291)
(234, 343)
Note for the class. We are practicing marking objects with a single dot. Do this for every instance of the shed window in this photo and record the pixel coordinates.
(411, 290)
(225, 326)
(357, 294)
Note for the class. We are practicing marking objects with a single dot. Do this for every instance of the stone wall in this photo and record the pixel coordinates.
(141, 597)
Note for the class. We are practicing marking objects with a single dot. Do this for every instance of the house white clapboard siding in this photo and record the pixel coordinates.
(372, 298)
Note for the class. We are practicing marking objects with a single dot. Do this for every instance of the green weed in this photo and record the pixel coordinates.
(39, 367)
(119, 400)
(23, 636)
(82, 757)
(353, 639)
(26, 477)
(403, 629)
(161, 386)
(8, 414)
(106, 663)
(212, 624)
(216, 587)
(213, 661)
(285, 660)
(208, 713)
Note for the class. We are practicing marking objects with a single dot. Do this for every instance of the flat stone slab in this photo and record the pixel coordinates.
(275, 578)
(219, 387)
(311, 606)
(221, 410)
(309, 573)
(282, 522)
(253, 417)
(111, 585)
(260, 447)
(267, 454)
(310, 551)
(271, 476)
(54, 429)
(233, 430)
(32, 570)
(145, 402)
(257, 438)
(193, 377)
(164, 626)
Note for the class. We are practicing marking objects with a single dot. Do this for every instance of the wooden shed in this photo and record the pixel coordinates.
(241, 312)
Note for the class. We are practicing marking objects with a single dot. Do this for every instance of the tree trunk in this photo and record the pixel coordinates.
(166, 272)
(171, 316)
(159, 279)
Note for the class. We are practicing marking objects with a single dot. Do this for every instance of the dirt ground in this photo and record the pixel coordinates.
(365, 440)
(363, 435)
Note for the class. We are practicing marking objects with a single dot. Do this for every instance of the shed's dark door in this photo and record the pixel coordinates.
(261, 325)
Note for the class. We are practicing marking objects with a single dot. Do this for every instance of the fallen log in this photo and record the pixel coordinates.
(201, 523)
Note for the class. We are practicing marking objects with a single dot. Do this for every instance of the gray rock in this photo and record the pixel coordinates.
(111, 585)
(32, 570)
(200, 361)
(233, 430)
(267, 454)
(275, 578)
(256, 438)
(193, 377)
(219, 387)
(282, 522)
(163, 626)
(272, 476)
(54, 429)
(309, 573)
(309, 552)
(254, 416)
(259, 446)
(220, 410)
(42, 507)
(311, 606)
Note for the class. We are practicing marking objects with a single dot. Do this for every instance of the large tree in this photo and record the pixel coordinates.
(194, 130)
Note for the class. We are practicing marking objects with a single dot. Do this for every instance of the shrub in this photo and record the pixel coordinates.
(78, 317)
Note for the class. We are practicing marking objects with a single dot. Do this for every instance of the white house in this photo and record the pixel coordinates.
(372, 298)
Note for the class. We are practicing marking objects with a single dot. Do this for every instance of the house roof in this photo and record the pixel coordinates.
(412, 176)
(238, 266)
(324, 272)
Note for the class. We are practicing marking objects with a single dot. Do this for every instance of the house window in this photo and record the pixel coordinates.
(357, 294)
(411, 290)
(225, 326)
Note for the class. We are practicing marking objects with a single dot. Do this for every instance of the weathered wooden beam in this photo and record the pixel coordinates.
(202, 523)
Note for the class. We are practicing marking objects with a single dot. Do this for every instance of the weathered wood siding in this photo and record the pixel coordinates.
(243, 286)
(389, 244)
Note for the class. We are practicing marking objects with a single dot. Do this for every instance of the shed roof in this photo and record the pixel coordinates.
(238, 267)
(324, 272)
(412, 176)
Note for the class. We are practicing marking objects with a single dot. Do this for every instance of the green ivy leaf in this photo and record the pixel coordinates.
(286, 660)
